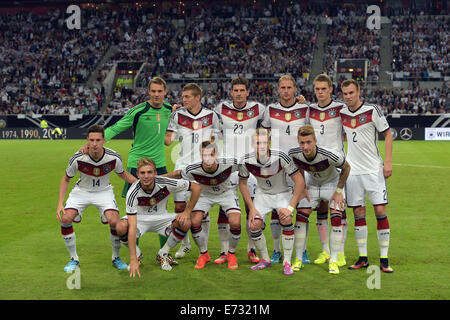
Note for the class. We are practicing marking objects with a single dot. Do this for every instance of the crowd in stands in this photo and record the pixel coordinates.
(240, 41)
(420, 46)
(44, 66)
(409, 101)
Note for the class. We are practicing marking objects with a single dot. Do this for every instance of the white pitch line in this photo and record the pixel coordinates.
(420, 166)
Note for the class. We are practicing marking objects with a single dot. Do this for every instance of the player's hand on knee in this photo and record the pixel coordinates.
(284, 214)
(254, 219)
(59, 212)
(183, 219)
(338, 202)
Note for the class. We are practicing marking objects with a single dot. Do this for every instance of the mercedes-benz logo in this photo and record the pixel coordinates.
(406, 134)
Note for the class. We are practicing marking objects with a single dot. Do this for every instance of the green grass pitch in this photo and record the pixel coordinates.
(32, 252)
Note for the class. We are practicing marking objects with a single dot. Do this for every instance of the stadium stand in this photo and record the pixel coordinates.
(420, 47)
(48, 69)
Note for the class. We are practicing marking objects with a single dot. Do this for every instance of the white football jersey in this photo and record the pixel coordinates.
(328, 125)
(191, 130)
(284, 123)
(322, 168)
(215, 183)
(94, 175)
(238, 126)
(270, 176)
(143, 204)
(361, 127)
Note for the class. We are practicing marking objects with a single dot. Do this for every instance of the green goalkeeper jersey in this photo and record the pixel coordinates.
(149, 126)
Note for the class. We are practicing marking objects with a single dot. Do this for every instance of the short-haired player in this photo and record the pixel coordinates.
(146, 206)
(324, 117)
(284, 118)
(240, 118)
(324, 183)
(213, 174)
(191, 124)
(362, 123)
(92, 189)
(270, 167)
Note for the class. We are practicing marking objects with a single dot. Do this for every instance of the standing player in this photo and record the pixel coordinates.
(213, 174)
(283, 118)
(93, 188)
(192, 125)
(362, 123)
(324, 117)
(147, 212)
(270, 167)
(324, 183)
(240, 118)
(149, 121)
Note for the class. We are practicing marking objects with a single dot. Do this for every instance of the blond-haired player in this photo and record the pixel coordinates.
(146, 206)
(324, 183)
(284, 118)
(270, 168)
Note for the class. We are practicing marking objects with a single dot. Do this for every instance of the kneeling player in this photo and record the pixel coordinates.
(324, 183)
(146, 205)
(92, 189)
(213, 174)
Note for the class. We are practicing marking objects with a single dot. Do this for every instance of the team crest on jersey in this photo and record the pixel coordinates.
(205, 122)
(363, 118)
(322, 116)
(223, 176)
(288, 116)
(160, 195)
(353, 123)
(106, 169)
(240, 115)
(96, 171)
(332, 113)
(250, 113)
(298, 114)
